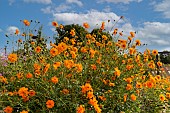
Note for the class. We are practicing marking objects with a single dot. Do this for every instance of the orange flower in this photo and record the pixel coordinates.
(54, 80)
(68, 63)
(133, 97)
(8, 109)
(138, 42)
(79, 67)
(54, 51)
(86, 87)
(161, 97)
(102, 26)
(111, 84)
(93, 66)
(50, 104)
(128, 80)
(72, 32)
(55, 24)
(16, 31)
(86, 25)
(29, 75)
(38, 49)
(83, 49)
(129, 87)
(159, 63)
(168, 95)
(80, 109)
(155, 52)
(125, 97)
(24, 111)
(12, 57)
(26, 22)
(32, 93)
(90, 95)
(131, 51)
(138, 85)
(46, 68)
(132, 34)
(56, 65)
(23, 92)
(104, 37)
(19, 40)
(149, 84)
(117, 72)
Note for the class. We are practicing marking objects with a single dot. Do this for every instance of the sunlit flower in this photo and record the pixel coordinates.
(23, 92)
(80, 109)
(8, 109)
(55, 24)
(16, 31)
(161, 97)
(133, 97)
(56, 65)
(154, 52)
(38, 49)
(12, 57)
(132, 34)
(72, 32)
(129, 87)
(86, 25)
(50, 104)
(54, 51)
(54, 80)
(26, 22)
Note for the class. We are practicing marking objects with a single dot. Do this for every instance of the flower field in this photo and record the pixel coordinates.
(81, 72)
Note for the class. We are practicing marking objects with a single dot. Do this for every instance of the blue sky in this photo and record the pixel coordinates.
(150, 18)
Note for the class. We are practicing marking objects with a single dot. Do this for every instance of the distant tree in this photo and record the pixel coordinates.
(165, 57)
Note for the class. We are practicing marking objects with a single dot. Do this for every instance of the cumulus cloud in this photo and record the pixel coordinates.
(38, 1)
(118, 1)
(47, 10)
(163, 7)
(93, 17)
(11, 30)
(78, 2)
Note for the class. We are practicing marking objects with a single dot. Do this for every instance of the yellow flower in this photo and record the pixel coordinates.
(72, 32)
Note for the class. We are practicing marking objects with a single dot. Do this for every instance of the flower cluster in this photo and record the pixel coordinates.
(85, 73)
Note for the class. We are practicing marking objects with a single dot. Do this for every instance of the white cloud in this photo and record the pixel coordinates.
(58, 9)
(118, 1)
(79, 3)
(11, 2)
(163, 7)
(62, 8)
(38, 1)
(93, 17)
(11, 30)
(47, 10)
